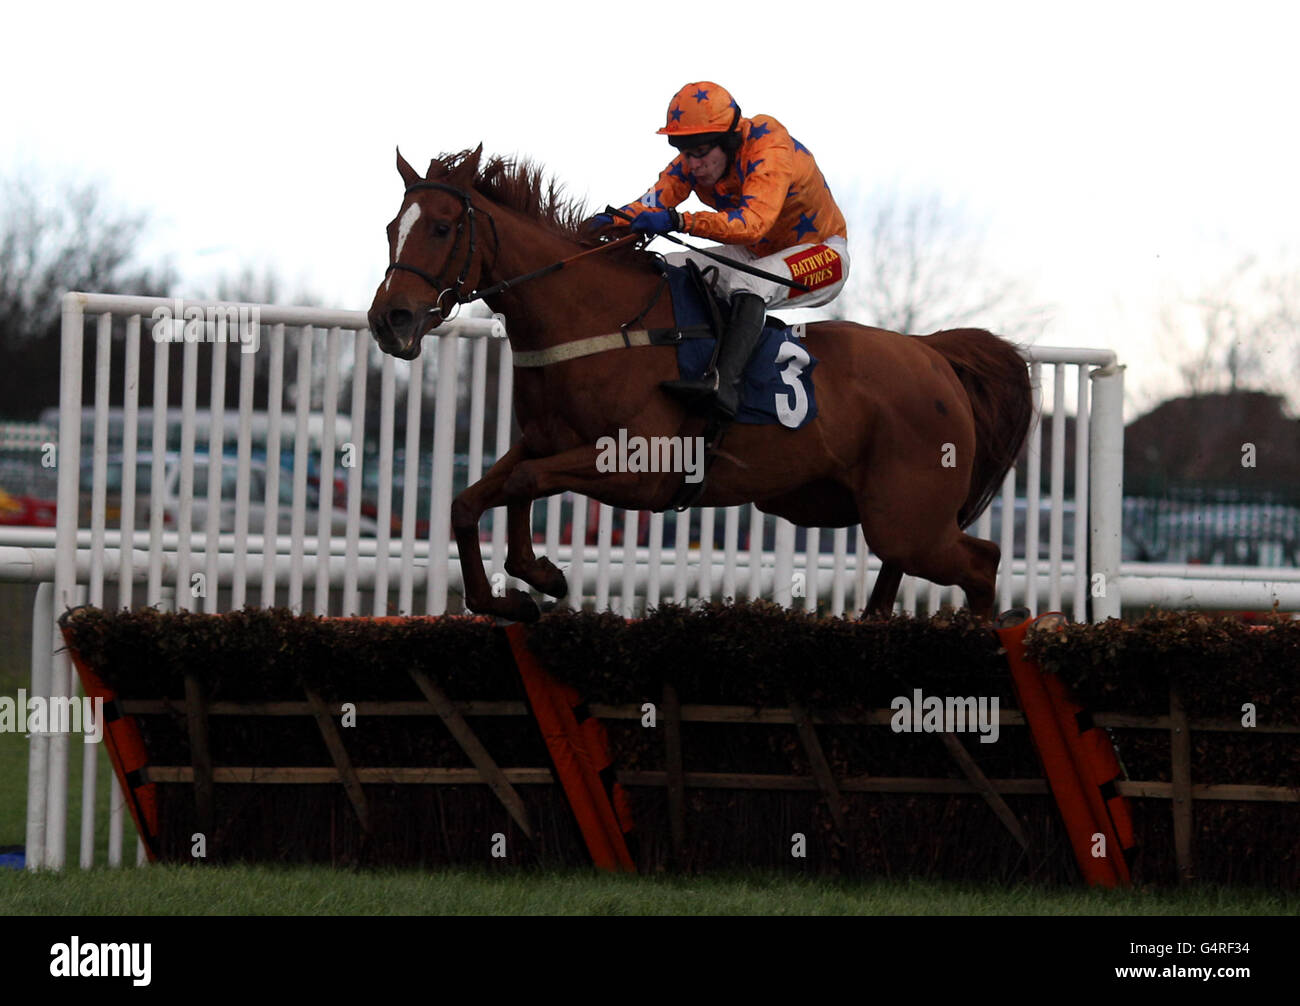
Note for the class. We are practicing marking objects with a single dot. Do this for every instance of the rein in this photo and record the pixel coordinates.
(458, 296)
(625, 338)
(730, 263)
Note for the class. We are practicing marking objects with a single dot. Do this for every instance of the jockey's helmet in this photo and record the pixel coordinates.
(702, 113)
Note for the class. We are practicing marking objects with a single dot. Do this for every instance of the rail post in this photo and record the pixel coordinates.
(1106, 490)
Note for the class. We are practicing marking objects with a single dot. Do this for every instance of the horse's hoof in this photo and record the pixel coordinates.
(520, 607)
(552, 581)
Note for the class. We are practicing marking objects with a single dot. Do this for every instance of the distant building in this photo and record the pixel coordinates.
(1214, 479)
(1239, 442)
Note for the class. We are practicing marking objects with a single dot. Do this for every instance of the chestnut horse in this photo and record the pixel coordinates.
(912, 437)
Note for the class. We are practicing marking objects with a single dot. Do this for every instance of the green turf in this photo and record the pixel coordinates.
(177, 890)
(13, 782)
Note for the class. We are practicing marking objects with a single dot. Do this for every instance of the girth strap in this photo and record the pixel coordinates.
(603, 343)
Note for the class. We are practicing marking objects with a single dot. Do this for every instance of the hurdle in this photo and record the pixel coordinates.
(212, 568)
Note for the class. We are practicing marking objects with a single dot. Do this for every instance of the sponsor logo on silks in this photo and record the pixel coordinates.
(816, 267)
(932, 714)
(75, 959)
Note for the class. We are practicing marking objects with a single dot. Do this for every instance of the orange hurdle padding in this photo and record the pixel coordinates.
(127, 753)
(1073, 765)
(580, 752)
(1098, 768)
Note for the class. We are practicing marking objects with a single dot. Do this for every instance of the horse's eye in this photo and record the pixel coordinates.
(442, 229)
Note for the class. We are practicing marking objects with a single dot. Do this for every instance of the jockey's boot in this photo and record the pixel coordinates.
(719, 391)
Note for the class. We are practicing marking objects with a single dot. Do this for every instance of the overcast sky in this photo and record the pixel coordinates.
(1120, 156)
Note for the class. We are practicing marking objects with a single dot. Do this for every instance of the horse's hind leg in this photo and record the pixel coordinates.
(929, 546)
(885, 591)
(959, 558)
(976, 573)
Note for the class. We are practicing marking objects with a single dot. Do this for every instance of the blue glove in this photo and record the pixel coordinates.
(599, 222)
(657, 221)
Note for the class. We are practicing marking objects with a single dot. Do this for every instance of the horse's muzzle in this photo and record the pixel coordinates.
(399, 331)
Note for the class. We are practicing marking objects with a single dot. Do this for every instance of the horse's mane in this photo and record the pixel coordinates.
(524, 186)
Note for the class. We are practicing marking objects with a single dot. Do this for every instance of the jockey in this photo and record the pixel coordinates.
(772, 209)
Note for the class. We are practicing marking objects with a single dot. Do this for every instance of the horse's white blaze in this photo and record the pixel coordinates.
(404, 226)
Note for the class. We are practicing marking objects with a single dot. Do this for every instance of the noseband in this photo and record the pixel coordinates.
(457, 293)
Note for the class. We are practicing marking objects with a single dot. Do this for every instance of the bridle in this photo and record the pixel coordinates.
(457, 292)
(467, 213)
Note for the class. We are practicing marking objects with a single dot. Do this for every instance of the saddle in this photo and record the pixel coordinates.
(777, 385)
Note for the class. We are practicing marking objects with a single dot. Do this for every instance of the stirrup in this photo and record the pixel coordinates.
(693, 390)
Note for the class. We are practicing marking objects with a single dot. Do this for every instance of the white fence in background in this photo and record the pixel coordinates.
(714, 555)
(721, 555)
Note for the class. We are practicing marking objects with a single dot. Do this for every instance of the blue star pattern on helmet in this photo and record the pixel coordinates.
(701, 95)
(758, 129)
(804, 225)
(799, 147)
(676, 113)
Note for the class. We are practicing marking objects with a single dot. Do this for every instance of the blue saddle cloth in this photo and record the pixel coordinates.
(777, 386)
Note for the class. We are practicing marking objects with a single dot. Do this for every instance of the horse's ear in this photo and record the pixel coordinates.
(471, 162)
(409, 175)
(466, 169)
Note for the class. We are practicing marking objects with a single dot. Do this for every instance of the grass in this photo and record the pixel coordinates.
(261, 890)
(15, 673)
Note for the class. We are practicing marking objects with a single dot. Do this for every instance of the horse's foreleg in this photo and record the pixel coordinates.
(466, 511)
(569, 471)
(521, 561)
(575, 471)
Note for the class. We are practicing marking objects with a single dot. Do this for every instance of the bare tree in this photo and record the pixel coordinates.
(1238, 333)
(919, 264)
(46, 249)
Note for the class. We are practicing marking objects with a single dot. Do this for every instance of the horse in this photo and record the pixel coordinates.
(912, 438)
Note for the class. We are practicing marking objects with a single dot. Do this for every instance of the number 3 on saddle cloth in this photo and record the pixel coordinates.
(777, 386)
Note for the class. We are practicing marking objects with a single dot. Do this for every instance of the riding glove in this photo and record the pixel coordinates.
(657, 221)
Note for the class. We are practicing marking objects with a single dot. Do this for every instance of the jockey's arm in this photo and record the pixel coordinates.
(768, 166)
(668, 191)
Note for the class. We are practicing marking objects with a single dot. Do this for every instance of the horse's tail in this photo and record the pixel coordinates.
(996, 380)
